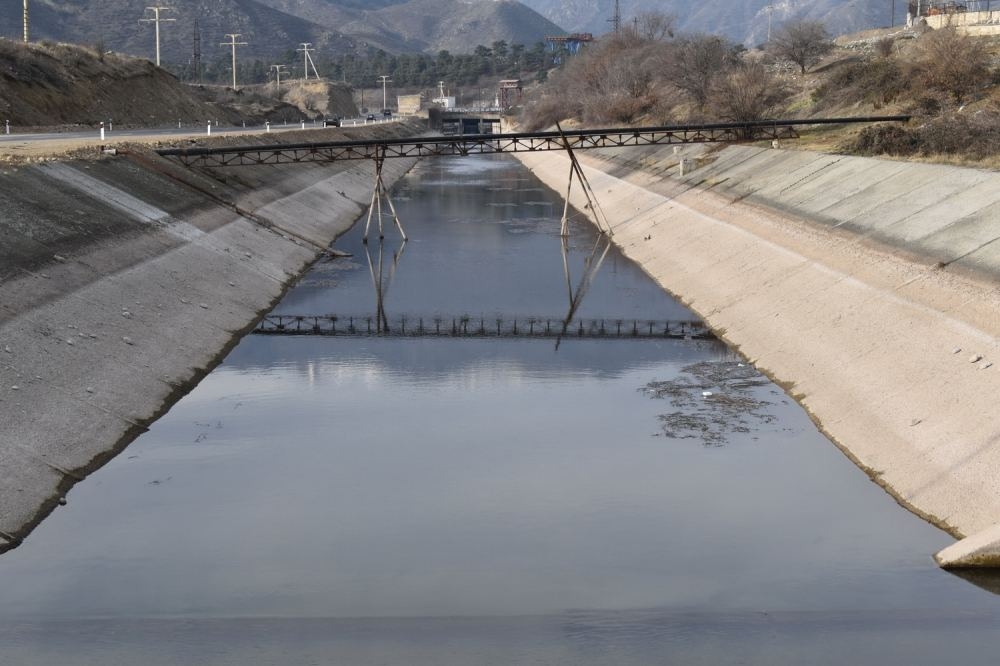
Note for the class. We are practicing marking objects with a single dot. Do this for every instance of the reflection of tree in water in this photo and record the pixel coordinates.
(713, 399)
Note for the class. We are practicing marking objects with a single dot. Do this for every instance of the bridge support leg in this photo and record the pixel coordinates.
(599, 218)
(564, 227)
(381, 191)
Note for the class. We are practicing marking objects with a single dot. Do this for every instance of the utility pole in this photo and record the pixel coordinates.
(156, 19)
(384, 79)
(307, 60)
(25, 21)
(277, 73)
(770, 15)
(616, 19)
(232, 43)
(196, 51)
(892, 14)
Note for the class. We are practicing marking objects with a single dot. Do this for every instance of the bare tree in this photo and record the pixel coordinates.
(747, 92)
(696, 62)
(610, 82)
(802, 42)
(952, 62)
(655, 26)
(884, 47)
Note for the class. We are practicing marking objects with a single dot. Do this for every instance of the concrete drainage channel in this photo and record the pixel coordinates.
(124, 284)
(865, 287)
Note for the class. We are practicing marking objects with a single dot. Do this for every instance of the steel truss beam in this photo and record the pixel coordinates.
(481, 144)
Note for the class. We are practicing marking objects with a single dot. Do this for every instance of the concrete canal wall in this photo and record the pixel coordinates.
(867, 288)
(124, 280)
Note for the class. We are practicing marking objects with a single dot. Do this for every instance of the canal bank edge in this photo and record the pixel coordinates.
(867, 288)
(124, 281)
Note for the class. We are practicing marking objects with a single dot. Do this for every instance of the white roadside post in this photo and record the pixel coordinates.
(267, 126)
(6, 127)
(303, 124)
(102, 130)
(209, 131)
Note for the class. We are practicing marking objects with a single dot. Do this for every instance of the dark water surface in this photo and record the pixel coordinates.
(484, 501)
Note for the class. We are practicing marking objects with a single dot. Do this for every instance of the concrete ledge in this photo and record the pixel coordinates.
(981, 550)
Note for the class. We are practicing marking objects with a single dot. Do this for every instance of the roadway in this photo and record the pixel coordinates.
(41, 144)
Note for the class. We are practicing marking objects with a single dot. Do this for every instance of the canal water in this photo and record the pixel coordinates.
(483, 500)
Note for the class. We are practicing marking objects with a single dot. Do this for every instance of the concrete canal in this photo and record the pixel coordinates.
(484, 500)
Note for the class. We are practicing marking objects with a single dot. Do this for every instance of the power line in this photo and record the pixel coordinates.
(156, 19)
(616, 19)
(277, 73)
(384, 79)
(196, 48)
(307, 60)
(233, 44)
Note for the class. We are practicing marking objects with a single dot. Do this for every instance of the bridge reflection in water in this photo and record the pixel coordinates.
(481, 326)
(383, 271)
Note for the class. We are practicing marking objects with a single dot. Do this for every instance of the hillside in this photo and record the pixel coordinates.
(744, 21)
(46, 85)
(116, 25)
(273, 29)
(946, 81)
(427, 25)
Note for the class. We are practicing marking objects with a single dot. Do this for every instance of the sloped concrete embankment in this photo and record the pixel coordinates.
(123, 281)
(868, 288)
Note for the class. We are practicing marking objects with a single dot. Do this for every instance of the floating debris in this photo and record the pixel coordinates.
(726, 405)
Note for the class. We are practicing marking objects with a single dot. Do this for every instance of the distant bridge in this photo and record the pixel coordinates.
(482, 326)
(478, 144)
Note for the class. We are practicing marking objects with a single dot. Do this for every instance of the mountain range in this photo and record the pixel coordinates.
(273, 28)
(744, 21)
(276, 28)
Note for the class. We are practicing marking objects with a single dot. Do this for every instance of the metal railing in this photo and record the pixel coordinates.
(505, 143)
